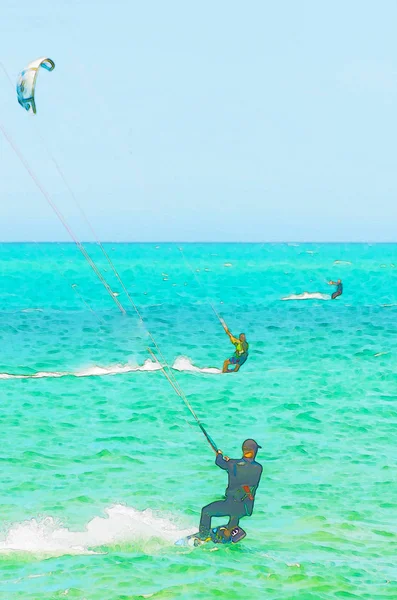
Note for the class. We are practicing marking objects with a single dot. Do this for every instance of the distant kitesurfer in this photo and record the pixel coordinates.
(240, 355)
(243, 479)
(339, 288)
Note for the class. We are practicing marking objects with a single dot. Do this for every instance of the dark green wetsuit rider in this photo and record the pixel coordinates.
(339, 288)
(244, 475)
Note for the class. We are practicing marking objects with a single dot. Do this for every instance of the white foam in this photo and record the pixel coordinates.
(93, 371)
(308, 296)
(148, 365)
(122, 524)
(181, 364)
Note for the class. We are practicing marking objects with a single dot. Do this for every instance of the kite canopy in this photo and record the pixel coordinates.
(26, 83)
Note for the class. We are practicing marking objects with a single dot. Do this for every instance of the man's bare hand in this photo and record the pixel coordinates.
(224, 457)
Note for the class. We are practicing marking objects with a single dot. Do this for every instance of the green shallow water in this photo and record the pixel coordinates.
(86, 455)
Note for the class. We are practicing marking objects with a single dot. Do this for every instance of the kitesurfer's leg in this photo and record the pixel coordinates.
(221, 508)
(239, 363)
(335, 295)
(236, 368)
(226, 366)
(233, 522)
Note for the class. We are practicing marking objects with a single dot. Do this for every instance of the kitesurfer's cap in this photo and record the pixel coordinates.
(251, 445)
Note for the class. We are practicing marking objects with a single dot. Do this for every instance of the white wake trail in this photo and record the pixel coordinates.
(181, 364)
(122, 524)
(308, 296)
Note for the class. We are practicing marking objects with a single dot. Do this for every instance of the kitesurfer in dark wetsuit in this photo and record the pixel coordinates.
(243, 479)
(339, 288)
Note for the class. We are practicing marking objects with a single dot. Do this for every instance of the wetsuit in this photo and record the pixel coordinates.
(338, 292)
(244, 476)
(241, 353)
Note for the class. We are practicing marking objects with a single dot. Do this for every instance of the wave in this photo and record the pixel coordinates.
(122, 524)
(181, 364)
(308, 296)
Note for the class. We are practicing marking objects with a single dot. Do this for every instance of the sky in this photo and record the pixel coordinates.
(202, 121)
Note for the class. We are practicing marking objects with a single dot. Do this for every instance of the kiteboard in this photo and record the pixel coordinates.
(218, 535)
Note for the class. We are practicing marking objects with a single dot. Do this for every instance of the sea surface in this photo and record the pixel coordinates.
(103, 467)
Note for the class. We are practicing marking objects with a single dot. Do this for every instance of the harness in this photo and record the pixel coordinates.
(242, 348)
(248, 492)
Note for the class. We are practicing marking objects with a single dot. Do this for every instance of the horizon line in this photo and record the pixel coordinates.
(372, 242)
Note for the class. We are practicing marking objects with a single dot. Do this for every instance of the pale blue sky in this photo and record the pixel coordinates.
(178, 120)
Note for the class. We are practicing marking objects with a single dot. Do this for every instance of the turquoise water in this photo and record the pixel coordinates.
(103, 467)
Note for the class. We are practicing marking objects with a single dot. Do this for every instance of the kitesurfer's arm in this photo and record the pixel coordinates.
(234, 340)
(222, 461)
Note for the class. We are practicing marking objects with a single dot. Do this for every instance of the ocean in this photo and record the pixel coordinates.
(104, 468)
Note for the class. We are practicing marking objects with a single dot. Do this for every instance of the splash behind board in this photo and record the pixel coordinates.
(218, 535)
